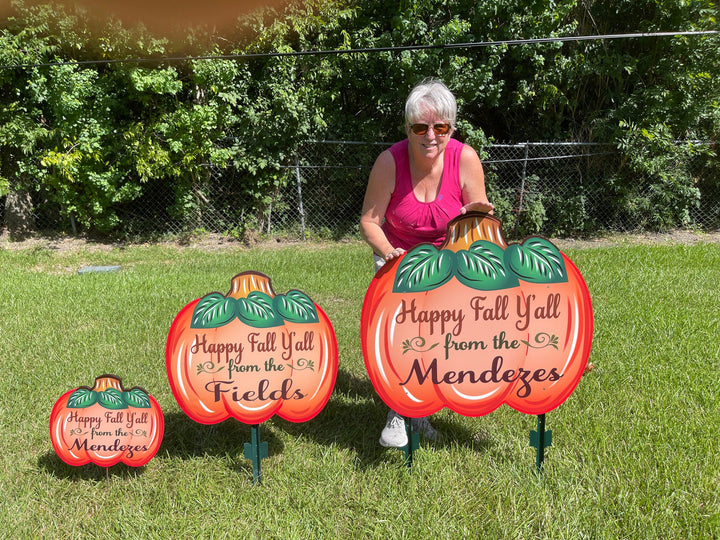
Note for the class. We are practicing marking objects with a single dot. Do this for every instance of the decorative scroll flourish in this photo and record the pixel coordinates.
(208, 367)
(416, 344)
(303, 364)
(542, 340)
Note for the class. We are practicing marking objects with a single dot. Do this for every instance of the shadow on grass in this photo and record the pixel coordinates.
(183, 438)
(354, 417)
(51, 463)
(187, 439)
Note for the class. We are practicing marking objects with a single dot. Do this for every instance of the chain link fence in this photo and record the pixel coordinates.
(552, 189)
(558, 189)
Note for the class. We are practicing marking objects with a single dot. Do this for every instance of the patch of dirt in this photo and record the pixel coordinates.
(216, 242)
(627, 239)
(69, 244)
(57, 244)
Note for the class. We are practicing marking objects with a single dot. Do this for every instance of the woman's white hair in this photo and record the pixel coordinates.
(431, 95)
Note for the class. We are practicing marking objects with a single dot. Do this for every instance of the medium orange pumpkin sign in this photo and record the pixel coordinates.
(106, 425)
(251, 354)
(477, 323)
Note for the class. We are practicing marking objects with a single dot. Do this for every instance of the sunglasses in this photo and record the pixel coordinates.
(422, 129)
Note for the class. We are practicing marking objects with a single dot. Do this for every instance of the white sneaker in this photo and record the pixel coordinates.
(393, 434)
(422, 426)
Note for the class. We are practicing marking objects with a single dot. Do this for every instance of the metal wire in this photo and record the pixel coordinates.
(367, 50)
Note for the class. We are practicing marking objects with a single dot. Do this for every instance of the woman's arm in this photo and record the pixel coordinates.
(381, 185)
(472, 183)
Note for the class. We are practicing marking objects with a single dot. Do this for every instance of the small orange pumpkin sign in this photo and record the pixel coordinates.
(251, 354)
(477, 323)
(106, 424)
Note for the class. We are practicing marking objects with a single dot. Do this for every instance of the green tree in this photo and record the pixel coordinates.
(21, 118)
(92, 137)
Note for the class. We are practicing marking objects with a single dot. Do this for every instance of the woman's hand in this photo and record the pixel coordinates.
(477, 206)
(394, 254)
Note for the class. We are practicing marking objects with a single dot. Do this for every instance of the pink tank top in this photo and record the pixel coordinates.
(409, 222)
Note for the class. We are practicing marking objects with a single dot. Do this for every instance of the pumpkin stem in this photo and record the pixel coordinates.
(247, 282)
(467, 228)
(104, 382)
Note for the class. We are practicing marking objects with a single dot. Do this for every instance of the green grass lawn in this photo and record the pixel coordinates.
(636, 451)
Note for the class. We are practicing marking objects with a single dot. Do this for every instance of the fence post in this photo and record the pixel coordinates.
(522, 181)
(299, 188)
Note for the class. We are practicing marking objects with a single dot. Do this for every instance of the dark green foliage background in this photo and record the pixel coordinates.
(92, 138)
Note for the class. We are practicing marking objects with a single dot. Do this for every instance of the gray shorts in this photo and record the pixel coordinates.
(379, 262)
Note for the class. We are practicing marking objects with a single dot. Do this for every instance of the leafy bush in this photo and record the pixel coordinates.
(90, 137)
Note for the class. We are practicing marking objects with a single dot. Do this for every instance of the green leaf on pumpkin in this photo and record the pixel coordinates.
(295, 306)
(536, 261)
(424, 268)
(213, 311)
(137, 398)
(112, 398)
(82, 398)
(256, 310)
(482, 267)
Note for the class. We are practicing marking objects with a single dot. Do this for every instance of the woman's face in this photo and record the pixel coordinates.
(430, 144)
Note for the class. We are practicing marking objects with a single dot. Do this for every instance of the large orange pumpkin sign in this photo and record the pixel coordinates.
(477, 323)
(106, 424)
(251, 354)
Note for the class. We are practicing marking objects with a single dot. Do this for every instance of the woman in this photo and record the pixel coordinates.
(415, 188)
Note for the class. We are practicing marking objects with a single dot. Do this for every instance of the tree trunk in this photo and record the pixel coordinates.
(19, 214)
